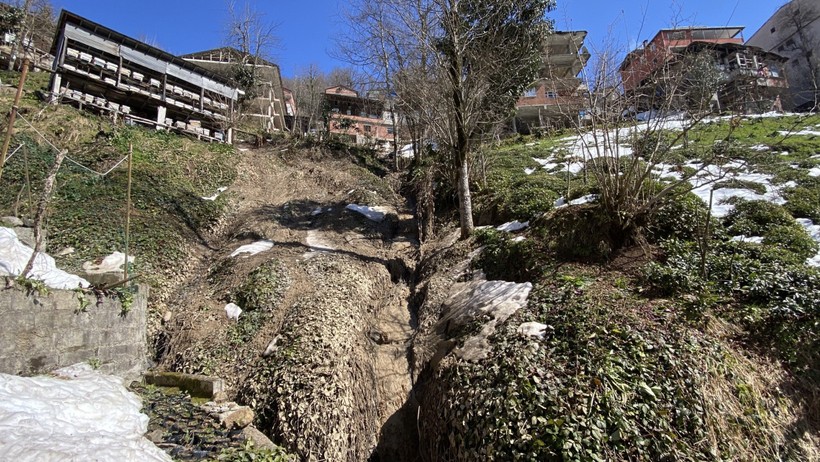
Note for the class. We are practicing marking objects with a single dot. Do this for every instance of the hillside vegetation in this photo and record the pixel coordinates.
(698, 339)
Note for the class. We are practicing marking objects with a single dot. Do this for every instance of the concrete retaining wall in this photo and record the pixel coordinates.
(40, 333)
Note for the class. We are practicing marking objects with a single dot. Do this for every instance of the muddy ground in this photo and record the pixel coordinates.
(323, 355)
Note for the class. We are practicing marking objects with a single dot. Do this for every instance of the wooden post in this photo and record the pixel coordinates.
(13, 117)
(128, 209)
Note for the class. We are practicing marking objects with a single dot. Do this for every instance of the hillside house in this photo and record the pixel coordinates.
(558, 96)
(365, 121)
(100, 69)
(265, 107)
(793, 31)
(34, 45)
(750, 78)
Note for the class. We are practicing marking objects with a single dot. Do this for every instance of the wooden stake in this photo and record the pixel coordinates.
(12, 116)
(128, 209)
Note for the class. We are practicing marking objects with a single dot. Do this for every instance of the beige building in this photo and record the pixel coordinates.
(265, 109)
(558, 94)
(793, 31)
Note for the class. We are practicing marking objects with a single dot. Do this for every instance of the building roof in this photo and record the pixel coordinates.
(110, 34)
(699, 33)
(225, 55)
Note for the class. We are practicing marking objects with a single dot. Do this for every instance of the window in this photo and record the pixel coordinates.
(531, 93)
(552, 95)
(773, 30)
(368, 128)
(390, 130)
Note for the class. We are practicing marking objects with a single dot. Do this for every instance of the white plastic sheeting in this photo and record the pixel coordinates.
(513, 226)
(253, 249)
(110, 264)
(233, 311)
(80, 415)
(372, 213)
(14, 255)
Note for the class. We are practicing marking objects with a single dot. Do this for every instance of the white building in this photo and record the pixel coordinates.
(794, 32)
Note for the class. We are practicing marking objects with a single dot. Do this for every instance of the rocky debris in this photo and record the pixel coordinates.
(11, 221)
(230, 415)
(188, 432)
(199, 386)
(259, 439)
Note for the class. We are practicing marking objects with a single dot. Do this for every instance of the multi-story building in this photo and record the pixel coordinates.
(749, 79)
(101, 69)
(366, 121)
(793, 31)
(558, 94)
(265, 107)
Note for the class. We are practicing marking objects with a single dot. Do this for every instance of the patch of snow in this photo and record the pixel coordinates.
(14, 255)
(544, 162)
(529, 171)
(110, 264)
(814, 232)
(78, 415)
(759, 147)
(218, 192)
(531, 144)
(562, 202)
(519, 239)
(533, 329)
(744, 238)
(316, 211)
(253, 249)
(376, 214)
(805, 132)
(815, 172)
(513, 226)
(232, 311)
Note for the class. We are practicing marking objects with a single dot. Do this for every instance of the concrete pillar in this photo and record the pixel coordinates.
(161, 113)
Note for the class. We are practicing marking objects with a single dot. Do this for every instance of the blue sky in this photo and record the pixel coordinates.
(307, 28)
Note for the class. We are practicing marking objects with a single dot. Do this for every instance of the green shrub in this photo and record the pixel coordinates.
(681, 216)
(755, 218)
(578, 232)
(772, 283)
(505, 259)
(600, 385)
(792, 238)
(804, 202)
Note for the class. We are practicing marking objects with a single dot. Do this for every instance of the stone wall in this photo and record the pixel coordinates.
(42, 332)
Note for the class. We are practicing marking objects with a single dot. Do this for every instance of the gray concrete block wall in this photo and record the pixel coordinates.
(40, 333)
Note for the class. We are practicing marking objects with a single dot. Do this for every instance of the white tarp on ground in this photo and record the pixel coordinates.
(253, 249)
(14, 255)
(372, 213)
(110, 264)
(81, 415)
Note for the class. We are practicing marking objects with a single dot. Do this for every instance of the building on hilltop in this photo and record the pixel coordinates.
(558, 96)
(100, 69)
(366, 121)
(263, 106)
(793, 31)
(747, 79)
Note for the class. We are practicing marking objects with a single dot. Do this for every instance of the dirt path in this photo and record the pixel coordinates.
(335, 376)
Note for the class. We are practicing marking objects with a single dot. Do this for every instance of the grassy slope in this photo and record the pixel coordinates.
(636, 367)
(170, 175)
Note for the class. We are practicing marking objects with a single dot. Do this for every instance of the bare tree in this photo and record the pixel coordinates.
(308, 86)
(32, 23)
(487, 53)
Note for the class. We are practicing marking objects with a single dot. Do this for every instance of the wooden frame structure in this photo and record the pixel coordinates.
(102, 69)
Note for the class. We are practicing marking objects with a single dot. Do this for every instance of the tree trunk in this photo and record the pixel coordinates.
(465, 204)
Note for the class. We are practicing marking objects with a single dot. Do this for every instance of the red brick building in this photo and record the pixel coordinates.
(359, 120)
